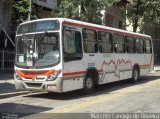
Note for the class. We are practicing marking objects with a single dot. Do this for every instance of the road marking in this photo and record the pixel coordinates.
(100, 99)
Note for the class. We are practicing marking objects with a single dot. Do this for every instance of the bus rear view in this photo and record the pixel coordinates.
(38, 56)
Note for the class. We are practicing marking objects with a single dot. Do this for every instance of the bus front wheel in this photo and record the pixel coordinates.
(89, 84)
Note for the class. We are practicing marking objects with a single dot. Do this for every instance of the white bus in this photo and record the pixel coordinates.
(60, 55)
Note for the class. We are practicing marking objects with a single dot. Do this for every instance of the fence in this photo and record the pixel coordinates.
(6, 61)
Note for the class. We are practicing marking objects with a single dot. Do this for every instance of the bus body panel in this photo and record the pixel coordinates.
(73, 74)
(106, 66)
(39, 82)
(39, 86)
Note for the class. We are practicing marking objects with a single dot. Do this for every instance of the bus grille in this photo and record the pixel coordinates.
(34, 84)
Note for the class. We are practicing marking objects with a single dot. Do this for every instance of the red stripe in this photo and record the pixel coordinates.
(73, 73)
(145, 66)
(100, 70)
(102, 29)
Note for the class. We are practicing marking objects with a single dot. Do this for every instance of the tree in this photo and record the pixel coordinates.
(152, 10)
(141, 11)
(20, 8)
(135, 13)
(84, 10)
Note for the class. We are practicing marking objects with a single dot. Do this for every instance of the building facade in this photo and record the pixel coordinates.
(7, 32)
(4, 14)
(115, 16)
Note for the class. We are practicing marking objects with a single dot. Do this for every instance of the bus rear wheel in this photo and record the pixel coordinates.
(89, 84)
(135, 74)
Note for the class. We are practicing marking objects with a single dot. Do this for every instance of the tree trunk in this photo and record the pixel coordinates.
(135, 25)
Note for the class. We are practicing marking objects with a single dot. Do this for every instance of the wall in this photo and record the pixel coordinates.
(5, 21)
(115, 17)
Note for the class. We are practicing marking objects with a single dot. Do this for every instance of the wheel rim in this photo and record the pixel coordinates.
(135, 74)
(89, 83)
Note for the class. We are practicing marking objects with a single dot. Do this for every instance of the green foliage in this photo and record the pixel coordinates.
(90, 10)
(20, 7)
(152, 10)
(141, 11)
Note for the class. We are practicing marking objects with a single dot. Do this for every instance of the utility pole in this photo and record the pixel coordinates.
(29, 10)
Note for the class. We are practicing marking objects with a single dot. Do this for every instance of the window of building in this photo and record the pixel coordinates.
(72, 45)
(139, 45)
(118, 43)
(148, 46)
(130, 48)
(104, 42)
(90, 41)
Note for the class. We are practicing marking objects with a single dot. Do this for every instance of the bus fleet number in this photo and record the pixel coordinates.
(91, 64)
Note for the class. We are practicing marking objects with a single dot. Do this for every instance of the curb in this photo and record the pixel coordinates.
(7, 95)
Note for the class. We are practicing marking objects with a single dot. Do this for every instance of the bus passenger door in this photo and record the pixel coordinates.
(72, 55)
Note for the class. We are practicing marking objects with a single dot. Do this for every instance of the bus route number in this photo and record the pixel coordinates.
(91, 64)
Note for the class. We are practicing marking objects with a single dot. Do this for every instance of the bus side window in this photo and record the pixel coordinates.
(148, 47)
(90, 41)
(139, 45)
(72, 45)
(104, 42)
(129, 43)
(118, 41)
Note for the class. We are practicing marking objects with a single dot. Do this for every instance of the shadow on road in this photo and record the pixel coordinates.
(15, 110)
(6, 76)
(99, 90)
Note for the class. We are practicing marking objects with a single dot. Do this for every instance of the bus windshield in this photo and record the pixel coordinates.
(37, 50)
(38, 26)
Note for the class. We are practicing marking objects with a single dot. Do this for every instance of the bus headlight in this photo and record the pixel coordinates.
(54, 75)
(17, 76)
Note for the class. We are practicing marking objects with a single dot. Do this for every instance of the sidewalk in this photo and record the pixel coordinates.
(7, 88)
(157, 68)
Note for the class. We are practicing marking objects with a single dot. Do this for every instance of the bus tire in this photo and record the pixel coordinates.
(135, 74)
(89, 84)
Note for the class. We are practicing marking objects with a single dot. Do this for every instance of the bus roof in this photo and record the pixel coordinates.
(92, 26)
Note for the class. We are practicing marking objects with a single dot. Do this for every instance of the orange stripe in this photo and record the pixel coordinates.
(49, 72)
(33, 74)
(20, 73)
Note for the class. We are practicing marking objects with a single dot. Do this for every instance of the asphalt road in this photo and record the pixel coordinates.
(114, 98)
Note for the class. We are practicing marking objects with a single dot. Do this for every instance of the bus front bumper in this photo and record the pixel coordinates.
(39, 86)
